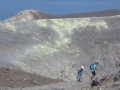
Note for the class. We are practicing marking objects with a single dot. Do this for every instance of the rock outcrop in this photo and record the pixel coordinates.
(117, 76)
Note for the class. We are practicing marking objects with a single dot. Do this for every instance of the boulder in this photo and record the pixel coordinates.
(95, 82)
(117, 76)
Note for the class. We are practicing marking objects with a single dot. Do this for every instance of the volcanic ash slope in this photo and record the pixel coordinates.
(56, 48)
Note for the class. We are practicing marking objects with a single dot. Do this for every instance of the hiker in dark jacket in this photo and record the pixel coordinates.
(93, 69)
(80, 73)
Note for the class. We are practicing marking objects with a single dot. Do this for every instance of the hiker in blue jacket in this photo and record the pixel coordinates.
(80, 73)
(93, 69)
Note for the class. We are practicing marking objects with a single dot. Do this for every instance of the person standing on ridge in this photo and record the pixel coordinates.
(80, 73)
(93, 69)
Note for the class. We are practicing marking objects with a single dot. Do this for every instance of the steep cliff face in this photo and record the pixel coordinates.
(57, 47)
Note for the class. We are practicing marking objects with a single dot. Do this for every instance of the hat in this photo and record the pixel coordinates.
(82, 67)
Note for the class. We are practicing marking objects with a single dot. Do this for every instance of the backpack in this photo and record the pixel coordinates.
(92, 66)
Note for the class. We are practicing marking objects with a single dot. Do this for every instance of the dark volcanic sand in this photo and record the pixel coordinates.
(16, 78)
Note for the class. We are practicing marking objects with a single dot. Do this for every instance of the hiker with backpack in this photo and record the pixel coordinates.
(93, 69)
(80, 73)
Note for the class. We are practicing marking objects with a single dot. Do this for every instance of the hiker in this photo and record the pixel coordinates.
(80, 73)
(93, 69)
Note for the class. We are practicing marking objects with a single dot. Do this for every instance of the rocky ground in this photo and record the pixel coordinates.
(10, 78)
(18, 80)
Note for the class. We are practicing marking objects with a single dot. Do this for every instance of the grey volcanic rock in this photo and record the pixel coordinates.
(117, 76)
(56, 48)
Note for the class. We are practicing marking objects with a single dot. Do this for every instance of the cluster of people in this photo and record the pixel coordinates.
(93, 69)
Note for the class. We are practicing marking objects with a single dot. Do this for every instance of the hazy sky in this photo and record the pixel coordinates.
(9, 8)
